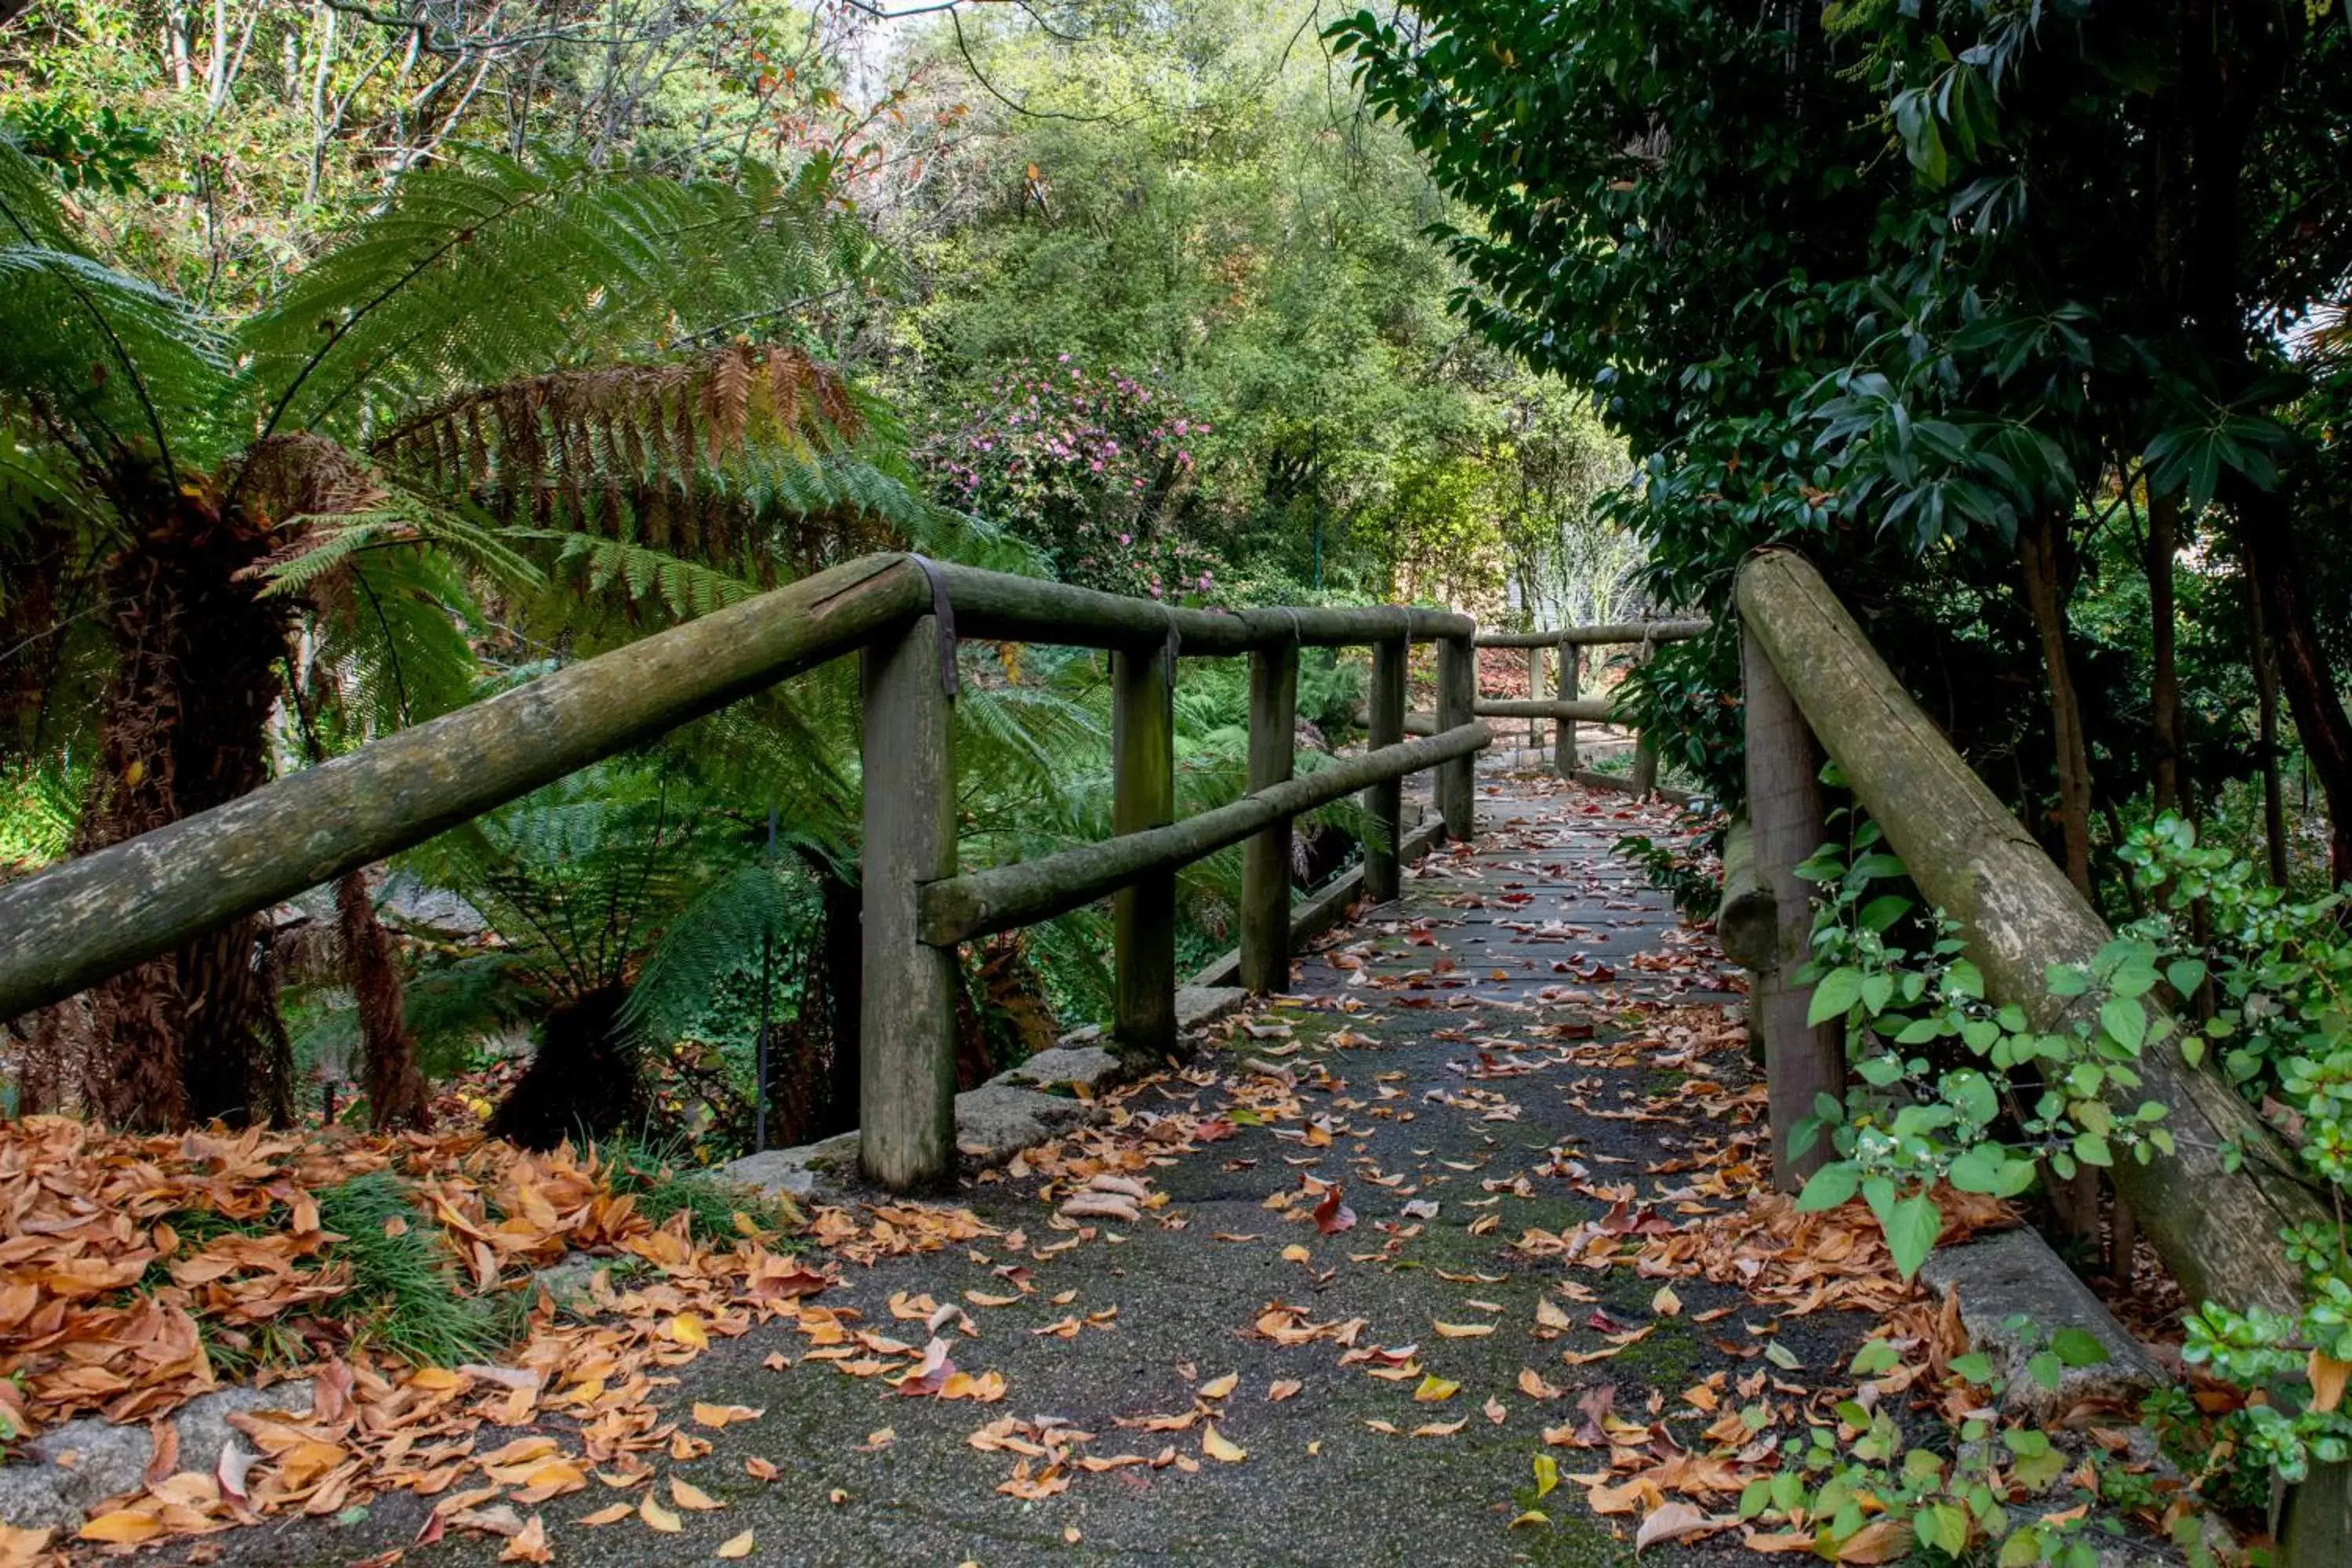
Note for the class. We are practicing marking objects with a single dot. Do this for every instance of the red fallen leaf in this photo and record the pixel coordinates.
(1601, 1323)
(1331, 1216)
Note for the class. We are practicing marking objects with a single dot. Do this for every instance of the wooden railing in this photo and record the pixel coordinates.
(1566, 709)
(2215, 1208)
(80, 921)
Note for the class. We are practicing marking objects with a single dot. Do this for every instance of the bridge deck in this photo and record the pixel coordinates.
(1523, 1054)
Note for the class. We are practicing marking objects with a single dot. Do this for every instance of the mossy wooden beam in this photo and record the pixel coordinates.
(2216, 1229)
(1596, 711)
(77, 922)
(1143, 796)
(1600, 635)
(1457, 699)
(1384, 800)
(907, 1020)
(1027, 891)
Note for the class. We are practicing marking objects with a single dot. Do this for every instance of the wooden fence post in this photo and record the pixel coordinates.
(1143, 794)
(1645, 748)
(1265, 859)
(1786, 825)
(1535, 694)
(1385, 801)
(906, 1012)
(1563, 744)
(1457, 695)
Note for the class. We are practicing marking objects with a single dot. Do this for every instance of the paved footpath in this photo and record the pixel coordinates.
(1522, 1059)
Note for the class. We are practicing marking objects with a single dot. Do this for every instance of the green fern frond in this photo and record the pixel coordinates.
(687, 588)
(568, 257)
(110, 364)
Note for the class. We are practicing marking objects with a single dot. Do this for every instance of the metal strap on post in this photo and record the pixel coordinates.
(943, 611)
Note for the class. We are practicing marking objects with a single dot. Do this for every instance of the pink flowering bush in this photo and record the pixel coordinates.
(1095, 470)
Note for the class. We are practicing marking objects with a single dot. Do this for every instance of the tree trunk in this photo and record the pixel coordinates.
(2038, 549)
(2266, 694)
(2273, 564)
(2164, 687)
(397, 1093)
(192, 1035)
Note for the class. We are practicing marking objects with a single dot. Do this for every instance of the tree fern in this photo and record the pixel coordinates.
(104, 363)
(576, 259)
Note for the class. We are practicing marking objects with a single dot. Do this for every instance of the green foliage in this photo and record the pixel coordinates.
(404, 1294)
(2281, 1031)
(1948, 1086)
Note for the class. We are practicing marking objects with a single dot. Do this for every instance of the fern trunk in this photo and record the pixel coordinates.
(193, 1035)
(396, 1091)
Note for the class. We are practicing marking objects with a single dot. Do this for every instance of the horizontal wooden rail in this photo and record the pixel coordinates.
(1591, 710)
(1607, 635)
(79, 922)
(1028, 609)
(980, 902)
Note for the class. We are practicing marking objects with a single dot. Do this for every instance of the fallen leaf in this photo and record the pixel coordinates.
(715, 1416)
(736, 1546)
(1666, 1303)
(529, 1544)
(692, 1498)
(759, 1469)
(1214, 1443)
(659, 1517)
(1282, 1389)
(1218, 1387)
(687, 1329)
(1462, 1331)
(1440, 1428)
(1331, 1216)
(1435, 1390)
(1675, 1520)
(611, 1514)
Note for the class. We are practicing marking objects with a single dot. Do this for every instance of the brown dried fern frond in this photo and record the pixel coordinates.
(571, 434)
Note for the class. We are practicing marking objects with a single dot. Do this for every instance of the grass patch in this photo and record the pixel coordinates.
(664, 1189)
(403, 1293)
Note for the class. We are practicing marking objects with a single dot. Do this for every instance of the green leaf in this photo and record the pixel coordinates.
(1974, 1367)
(2076, 1347)
(1875, 1356)
(1911, 1233)
(2065, 980)
(1831, 1185)
(2092, 1149)
(1833, 996)
(2185, 975)
(1943, 1527)
(2124, 1020)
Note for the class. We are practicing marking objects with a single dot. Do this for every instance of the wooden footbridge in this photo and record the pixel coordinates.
(1813, 686)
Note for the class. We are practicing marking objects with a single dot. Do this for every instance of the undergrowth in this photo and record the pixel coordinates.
(404, 1294)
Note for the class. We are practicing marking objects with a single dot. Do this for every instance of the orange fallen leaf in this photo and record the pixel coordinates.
(692, 1498)
(659, 1517)
(1440, 1428)
(123, 1527)
(736, 1546)
(1214, 1444)
(611, 1514)
(715, 1415)
(1666, 1303)
(1282, 1389)
(1880, 1541)
(529, 1544)
(759, 1469)
(687, 1329)
(1218, 1387)
(1535, 1387)
(1462, 1331)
